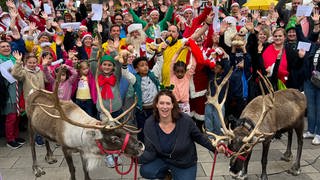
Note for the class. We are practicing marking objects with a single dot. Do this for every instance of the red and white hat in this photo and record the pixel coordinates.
(188, 8)
(83, 27)
(134, 27)
(153, 11)
(85, 35)
(125, 12)
(4, 13)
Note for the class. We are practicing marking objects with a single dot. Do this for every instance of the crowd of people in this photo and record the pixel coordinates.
(167, 53)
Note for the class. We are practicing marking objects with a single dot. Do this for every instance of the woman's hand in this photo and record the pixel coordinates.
(301, 53)
(18, 56)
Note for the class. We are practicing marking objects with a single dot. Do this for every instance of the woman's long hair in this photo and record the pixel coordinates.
(175, 111)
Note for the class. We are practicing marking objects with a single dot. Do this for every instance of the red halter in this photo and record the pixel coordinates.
(119, 152)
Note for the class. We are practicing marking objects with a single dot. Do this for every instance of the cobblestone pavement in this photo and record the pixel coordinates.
(16, 164)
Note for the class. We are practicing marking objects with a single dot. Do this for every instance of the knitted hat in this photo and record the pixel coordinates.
(125, 12)
(134, 27)
(188, 8)
(292, 23)
(85, 34)
(107, 58)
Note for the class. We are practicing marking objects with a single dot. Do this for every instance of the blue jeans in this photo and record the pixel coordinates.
(211, 119)
(87, 106)
(158, 168)
(313, 105)
(141, 117)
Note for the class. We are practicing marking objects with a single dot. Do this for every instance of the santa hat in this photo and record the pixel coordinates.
(188, 8)
(235, 4)
(134, 27)
(3, 13)
(85, 35)
(153, 11)
(209, 52)
(83, 26)
(125, 12)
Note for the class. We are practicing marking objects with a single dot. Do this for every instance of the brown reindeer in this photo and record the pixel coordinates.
(265, 115)
(67, 124)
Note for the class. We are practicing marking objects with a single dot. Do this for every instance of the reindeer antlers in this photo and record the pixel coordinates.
(264, 110)
(214, 100)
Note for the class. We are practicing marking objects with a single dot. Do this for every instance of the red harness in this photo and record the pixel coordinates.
(119, 152)
(228, 153)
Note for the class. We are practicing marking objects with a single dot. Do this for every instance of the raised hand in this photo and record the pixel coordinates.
(44, 15)
(59, 40)
(13, 13)
(99, 27)
(33, 26)
(111, 4)
(209, 19)
(315, 16)
(17, 55)
(95, 41)
(249, 26)
(299, 19)
(11, 4)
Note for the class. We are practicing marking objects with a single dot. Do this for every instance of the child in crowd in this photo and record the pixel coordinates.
(68, 76)
(86, 95)
(180, 78)
(30, 75)
(109, 80)
(146, 85)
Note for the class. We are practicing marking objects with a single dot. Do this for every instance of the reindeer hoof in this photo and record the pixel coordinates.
(264, 177)
(50, 159)
(286, 157)
(294, 171)
(38, 171)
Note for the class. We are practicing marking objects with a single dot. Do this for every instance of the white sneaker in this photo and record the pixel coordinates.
(109, 161)
(316, 140)
(308, 135)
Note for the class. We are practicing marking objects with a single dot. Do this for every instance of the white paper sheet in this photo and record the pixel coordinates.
(304, 45)
(304, 10)
(47, 8)
(66, 1)
(97, 10)
(4, 70)
(74, 25)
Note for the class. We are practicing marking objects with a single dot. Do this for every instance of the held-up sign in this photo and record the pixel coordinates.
(74, 25)
(304, 11)
(304, 46)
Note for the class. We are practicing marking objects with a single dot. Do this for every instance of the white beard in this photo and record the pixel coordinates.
(136, 43)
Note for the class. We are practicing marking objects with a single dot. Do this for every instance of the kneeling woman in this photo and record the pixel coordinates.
(169, 141)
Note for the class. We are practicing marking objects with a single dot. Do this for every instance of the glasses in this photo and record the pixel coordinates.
(5, 46)
(118, 19)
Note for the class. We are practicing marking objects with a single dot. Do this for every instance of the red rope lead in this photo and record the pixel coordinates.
(213, 164)
(228, 153)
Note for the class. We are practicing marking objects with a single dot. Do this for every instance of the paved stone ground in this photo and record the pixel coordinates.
(16, 164)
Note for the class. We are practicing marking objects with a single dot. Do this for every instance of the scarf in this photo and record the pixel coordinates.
(106, 83)
(7, 58)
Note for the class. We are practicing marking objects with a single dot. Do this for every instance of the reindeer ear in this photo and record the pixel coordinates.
(95, 134)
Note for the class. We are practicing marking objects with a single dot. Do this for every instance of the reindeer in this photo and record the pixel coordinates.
(265, 115)
(67, 124)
